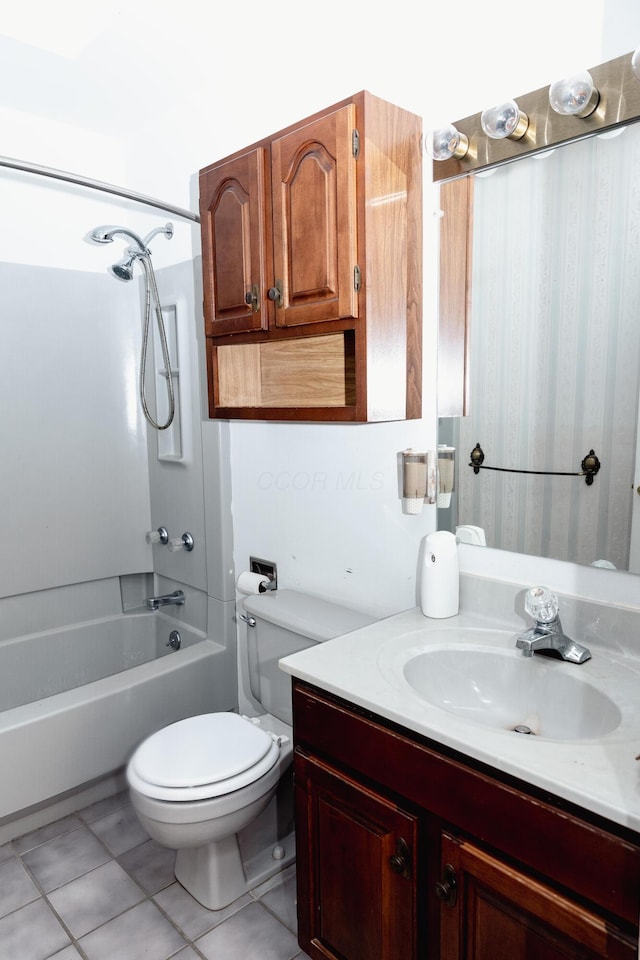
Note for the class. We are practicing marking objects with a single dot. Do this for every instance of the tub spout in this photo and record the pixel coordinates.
(177, 598)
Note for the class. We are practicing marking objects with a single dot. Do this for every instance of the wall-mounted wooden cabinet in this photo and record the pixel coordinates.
(312, 260)
(406, 851)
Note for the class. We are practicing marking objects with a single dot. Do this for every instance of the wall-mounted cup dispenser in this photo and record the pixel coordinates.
(414, 481)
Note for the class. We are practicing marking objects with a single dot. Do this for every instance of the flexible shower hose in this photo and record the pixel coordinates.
(151, 287)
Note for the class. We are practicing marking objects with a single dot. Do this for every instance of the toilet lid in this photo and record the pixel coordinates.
(201, 750)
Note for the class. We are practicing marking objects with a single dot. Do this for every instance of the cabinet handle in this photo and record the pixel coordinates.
(400, 861)
(275, 294)
(447, 888)
(252, 299)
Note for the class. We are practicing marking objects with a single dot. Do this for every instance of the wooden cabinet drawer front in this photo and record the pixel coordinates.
(592, 862)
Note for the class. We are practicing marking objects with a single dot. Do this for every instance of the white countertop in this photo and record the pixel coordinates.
(366, 668)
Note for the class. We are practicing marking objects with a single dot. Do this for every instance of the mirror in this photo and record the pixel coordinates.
(553, 353)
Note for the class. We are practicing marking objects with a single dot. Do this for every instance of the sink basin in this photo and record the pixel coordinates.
(505, 691)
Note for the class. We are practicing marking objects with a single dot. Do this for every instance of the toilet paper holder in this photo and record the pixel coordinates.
(266, 568)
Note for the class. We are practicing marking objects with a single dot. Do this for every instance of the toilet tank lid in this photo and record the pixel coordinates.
(309, 616)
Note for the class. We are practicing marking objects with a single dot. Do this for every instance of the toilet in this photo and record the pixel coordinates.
(218, 787)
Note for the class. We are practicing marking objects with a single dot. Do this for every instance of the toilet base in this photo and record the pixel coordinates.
(214, 874)
(218, 872)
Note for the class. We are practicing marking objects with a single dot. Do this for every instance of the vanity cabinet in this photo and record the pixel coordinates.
(407, 850)
(364, 849)
(312, 265)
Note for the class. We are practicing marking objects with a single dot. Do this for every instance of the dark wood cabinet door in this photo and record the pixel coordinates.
(356, 869)
(495, 912)
(235, 244)
(314, 221)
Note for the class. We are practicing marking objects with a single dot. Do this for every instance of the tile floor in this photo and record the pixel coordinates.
(93, 885)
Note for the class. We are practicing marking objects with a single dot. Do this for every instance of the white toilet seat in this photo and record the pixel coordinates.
(202, 757)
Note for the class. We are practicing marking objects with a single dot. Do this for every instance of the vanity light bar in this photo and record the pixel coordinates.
(618, 102)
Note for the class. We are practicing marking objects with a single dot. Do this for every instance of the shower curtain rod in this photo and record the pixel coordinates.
(96, 185)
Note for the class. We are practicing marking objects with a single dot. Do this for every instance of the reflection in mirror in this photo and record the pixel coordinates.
(554, 354)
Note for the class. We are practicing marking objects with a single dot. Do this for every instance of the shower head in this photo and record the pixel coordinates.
(102, 234)
(123, 269)
(105, 234)
(139, 250)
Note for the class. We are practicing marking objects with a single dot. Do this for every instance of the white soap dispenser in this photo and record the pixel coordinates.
(440, 581)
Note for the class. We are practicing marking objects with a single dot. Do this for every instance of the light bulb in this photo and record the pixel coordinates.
(505, 120)
(446, 142)
(574, 96)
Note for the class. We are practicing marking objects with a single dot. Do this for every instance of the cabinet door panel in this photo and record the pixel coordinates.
(314, 220)
(500, 913)
(352, 903)
(234, 244)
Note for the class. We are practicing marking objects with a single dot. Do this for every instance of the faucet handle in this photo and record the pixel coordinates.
(157, 536)
(185, 542)
(541, 604)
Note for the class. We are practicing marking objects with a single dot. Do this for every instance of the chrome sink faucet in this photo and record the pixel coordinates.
(177, 598)
(541, 604)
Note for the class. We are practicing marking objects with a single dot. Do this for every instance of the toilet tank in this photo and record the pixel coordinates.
(283, 622)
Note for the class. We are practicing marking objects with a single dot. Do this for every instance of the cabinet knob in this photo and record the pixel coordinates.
(275, 294)
(252, 298)
(447, 888)
(400, 861)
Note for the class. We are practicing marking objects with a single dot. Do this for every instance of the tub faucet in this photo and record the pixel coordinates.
(542, 605)
(177, 598)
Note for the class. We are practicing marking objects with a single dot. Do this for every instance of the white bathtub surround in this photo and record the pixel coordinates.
(73, 603)
(74, 447)
(42, 665)
(599, 774)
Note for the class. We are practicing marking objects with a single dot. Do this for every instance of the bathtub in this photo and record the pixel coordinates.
(75, 702)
